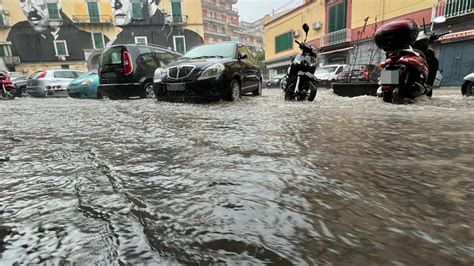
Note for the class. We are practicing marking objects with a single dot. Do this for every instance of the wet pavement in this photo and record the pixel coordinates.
(339, 180)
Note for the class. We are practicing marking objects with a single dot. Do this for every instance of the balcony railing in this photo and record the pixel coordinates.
(336, 37)
(216, 20)
(86, 19)
(11, 60)
(453, 8)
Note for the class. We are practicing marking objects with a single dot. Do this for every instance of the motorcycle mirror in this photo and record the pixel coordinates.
(306, 28)
(439, 20)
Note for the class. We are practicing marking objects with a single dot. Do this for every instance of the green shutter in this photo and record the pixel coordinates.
(53, 10)
(337, 17)
(2, 23)
(283, 42)
(98, 40)
(176, 10)
(137, 12)
(179, 45)
(2, 50)
(93, 8)
(61, 47)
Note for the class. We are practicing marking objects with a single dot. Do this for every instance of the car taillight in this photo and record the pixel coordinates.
(127, 63)
(41, 75)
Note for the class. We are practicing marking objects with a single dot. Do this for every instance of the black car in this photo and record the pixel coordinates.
(275, 81)
(214, 71)
(127, 70)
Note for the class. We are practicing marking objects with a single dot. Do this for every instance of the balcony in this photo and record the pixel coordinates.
(216, 5)
(453, 8)
(215, 20)
(11, 60)
(336, 37)
(86, 19)
(216, 33)
(177, 20)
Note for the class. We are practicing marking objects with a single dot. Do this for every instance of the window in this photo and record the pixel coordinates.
(283, 42)
(5, 50)
(2, 21)
(93, 8)
(137, 8)
(164, 58)
(176, 10)
(179, 44)
(53, 10)
(98, 40)
(337, 17)
(65, 75)
(61, 48)
(141, 40)
(146, 58)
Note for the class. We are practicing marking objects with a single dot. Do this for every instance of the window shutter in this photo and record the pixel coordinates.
(93, 11)
(176, 10)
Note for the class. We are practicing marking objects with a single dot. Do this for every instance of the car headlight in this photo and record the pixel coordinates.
(159, 74)
(213, 70)
(86, 83)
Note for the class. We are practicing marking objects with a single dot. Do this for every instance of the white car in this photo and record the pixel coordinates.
(329, 73)
(51, 82)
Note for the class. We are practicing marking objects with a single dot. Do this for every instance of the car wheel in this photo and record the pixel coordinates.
(147, 91)
(234, 91)
(466, 88)
(258, 90)
(99, 95)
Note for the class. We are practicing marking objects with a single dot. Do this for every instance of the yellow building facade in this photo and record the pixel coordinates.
(335, 26)
(51, 34)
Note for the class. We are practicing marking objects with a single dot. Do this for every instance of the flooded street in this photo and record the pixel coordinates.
(339, 180)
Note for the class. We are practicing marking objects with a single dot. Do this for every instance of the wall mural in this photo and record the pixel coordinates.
(33, 40)
(152, 25)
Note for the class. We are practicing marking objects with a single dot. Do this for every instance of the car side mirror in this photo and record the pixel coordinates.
(242, 56)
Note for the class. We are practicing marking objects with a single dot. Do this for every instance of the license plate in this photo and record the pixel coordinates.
(390, 77)
(175, 87)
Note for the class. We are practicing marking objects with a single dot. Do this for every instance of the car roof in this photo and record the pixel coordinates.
(205, 44)
(159, 47)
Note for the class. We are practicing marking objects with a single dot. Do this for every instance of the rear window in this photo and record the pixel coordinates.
(111, 56)
(65, 75)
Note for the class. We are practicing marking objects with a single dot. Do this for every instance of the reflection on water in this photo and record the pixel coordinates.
(339, 180)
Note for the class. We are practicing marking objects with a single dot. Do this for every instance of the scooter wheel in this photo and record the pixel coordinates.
(466, 88)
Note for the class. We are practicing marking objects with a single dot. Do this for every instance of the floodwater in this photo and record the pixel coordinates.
(335, 181)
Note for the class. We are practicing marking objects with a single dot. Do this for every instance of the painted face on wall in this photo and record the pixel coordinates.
(123, 10)
(36, 11)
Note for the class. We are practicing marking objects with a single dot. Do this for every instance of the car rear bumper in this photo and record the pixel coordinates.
(122, 90)
(42, 91)
(198, 90)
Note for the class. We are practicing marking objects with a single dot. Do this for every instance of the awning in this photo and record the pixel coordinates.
(338, 50)
(279, 62)
(468, 34)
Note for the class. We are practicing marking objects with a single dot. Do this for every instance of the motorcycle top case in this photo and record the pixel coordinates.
(396, 35)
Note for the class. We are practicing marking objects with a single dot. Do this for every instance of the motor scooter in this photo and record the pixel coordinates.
(405, 73)
(466, 88)
(8, 90)
(300, 84)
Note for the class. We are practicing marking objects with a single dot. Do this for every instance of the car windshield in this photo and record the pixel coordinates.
(325, 70)
(223, 50)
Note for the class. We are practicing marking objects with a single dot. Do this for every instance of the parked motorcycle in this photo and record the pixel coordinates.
(407, 72)
(300, 83)
(8, 90)
(466, 88)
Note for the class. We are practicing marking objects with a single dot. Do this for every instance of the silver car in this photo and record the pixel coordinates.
(51, 83)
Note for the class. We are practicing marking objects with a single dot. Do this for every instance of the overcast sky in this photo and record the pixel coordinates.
(250, 10)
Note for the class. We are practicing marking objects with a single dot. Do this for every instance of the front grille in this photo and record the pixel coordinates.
(180, 72)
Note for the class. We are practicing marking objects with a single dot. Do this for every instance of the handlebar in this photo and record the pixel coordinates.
(296, 41)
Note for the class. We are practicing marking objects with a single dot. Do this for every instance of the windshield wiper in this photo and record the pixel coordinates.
(208, 56)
